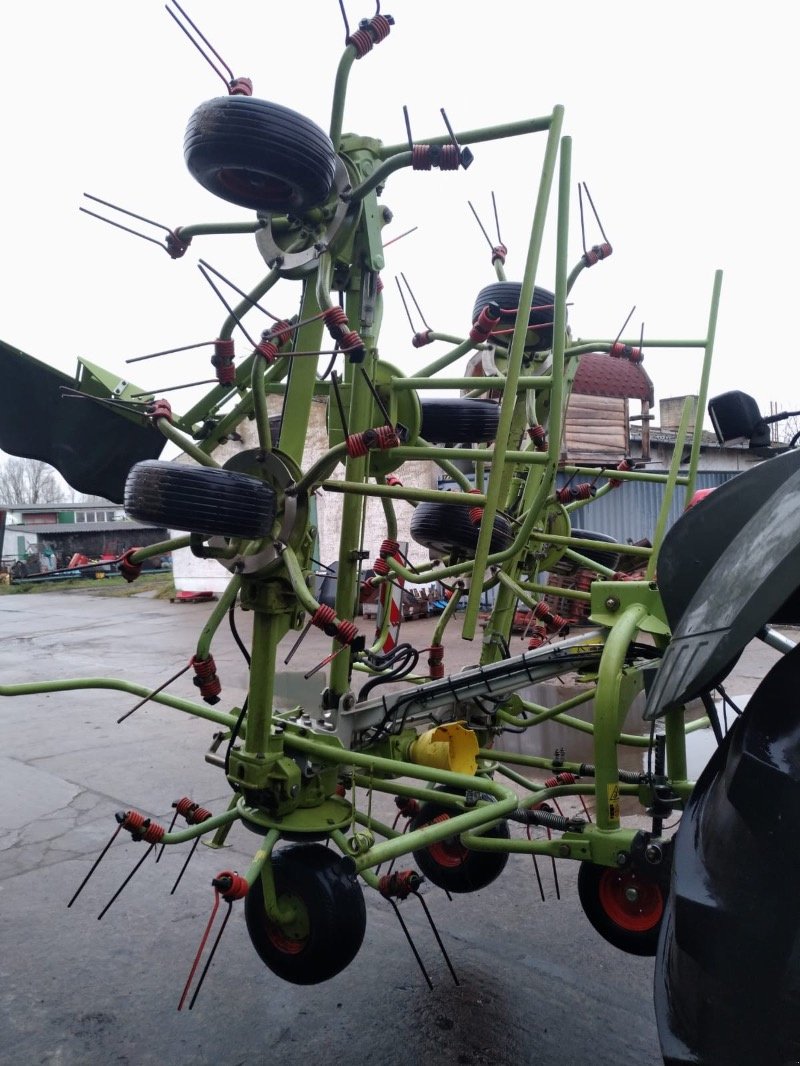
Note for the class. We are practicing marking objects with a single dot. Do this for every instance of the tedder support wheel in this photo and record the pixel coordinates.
(448, 863)
(260, 155)
(200, 499)
(505, 294)
(455, 421)
(329, 921)
(625, 906)
(447, 528)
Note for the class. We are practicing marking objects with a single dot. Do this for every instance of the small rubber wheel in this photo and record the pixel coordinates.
(257, 154)
(567, 567)
(447, 527)
(329, 921)
(200, 499)
(625, 906)
(448, 863)
(455, 421)
(505, 294)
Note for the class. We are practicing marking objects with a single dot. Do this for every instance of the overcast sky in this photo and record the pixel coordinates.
(683, 119)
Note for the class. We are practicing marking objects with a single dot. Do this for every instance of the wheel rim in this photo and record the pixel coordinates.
(291, 937)
(631, 901)
(449, 853)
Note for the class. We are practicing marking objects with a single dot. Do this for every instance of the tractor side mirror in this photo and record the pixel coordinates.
(736, 416)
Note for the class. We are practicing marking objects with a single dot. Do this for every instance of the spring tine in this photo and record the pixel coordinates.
(203, 940)
(555, 877)
(411, 944)
(155, 692)
(171, 827)
(186, 863)
(119, 225)
(124, 883)
(95, 864)
(297, 643)
(538, 877)
(438, 938)
(211, 953)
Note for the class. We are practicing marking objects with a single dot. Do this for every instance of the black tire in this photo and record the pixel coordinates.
(448, 863)
(257, 154)
(727, 970)
(568, 567)
(454, 421)
(632, 925)
(200, 499)
(446, 528)
(505, 294)
(333, 919)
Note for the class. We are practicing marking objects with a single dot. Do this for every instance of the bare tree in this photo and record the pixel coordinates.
(27, 482)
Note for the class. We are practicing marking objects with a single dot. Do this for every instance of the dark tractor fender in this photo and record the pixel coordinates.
(92, 445)
(727, 974)
(729, 566)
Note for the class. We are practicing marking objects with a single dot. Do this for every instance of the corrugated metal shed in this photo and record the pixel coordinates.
(631, 511)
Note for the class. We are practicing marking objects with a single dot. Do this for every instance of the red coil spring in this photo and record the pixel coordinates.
(584, 491)
(190, 811)
(615, 482)
(325, 619)
(177, 245)
(565, 778)
(352, 342)
(240, 87)
(419, 340)
(129, 570)
(421, 158)
(538, 435)
(538, 637)
(380, 438)
(141, 828)
(184, 806)
(205, 678)
(335, 318)
(160, 409)
(389, 547)
(380, 567)
(449, 157)
(499, 252)
(370, 33)
(619, 350)
(436, 662)
(400, 884)
(230, 885)
(393, 479)
(596, 253)
(484, 324)
(583, 580)
(222, 361)
(281, 332)
(268, 350)
(346, 632)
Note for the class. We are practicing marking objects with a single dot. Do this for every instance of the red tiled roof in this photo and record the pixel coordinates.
(605, 375)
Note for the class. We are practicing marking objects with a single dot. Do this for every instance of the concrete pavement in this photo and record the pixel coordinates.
(537, 984)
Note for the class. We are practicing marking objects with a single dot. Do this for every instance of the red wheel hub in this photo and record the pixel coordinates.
(449, 853)
(631, 901)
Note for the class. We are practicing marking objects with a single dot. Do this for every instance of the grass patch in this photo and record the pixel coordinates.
(158, 582)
